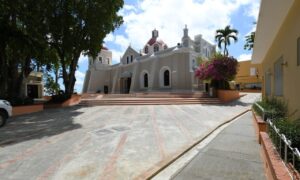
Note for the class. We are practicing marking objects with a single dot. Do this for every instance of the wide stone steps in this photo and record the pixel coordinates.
(148, 101)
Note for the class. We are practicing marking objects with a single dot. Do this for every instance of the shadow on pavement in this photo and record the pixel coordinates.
(47, 123)
(239, 103)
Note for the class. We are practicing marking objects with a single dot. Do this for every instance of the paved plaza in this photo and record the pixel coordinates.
(106, 142)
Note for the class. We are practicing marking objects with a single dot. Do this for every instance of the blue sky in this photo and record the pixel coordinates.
(169, 17)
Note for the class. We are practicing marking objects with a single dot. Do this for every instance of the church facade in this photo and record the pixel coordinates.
(156, 68)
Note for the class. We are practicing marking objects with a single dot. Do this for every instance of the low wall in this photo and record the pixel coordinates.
(259, 124)
(20, 110)
(228, 95)
(47, 98)
(74, 100)
(274, 167)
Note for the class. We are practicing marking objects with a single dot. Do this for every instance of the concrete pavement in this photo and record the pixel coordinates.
(105, 142)
(233, 154)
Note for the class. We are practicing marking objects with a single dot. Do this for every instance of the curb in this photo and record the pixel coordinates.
(194, 145)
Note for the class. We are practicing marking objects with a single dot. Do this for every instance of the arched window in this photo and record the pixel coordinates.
(146, 50)
(156, 48)
(145, 80)
(167, 78)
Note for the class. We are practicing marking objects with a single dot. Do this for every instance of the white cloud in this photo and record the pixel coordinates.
(116, 55)
(122, 41)
(79, 74)
(82, 59)
(170, 16)
(254, 9)
(109, 38)
(244, 57)
(79, 81)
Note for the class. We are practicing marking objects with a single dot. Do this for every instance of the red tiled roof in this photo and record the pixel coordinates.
(104, 48)
(151, 41)
(154, 40)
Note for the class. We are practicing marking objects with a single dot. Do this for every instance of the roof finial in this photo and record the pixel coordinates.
(185, 26)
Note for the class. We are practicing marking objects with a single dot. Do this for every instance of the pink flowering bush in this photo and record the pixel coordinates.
(219, 69)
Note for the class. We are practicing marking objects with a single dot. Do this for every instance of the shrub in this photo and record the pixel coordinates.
(219, 70)
(21, 101)
(274, 108)
(291, 129)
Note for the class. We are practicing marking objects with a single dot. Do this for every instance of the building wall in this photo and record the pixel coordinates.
(129, 56)
(244, 77)
(178, 63)
(104, 58)
(285, 46)
(35, 79)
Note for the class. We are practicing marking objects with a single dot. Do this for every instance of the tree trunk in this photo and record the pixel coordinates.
(3, 70)
(69, 78)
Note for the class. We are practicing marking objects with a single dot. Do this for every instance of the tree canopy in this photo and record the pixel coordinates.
(249, 41)
(224, 36)
(79, 26)
(36, 34)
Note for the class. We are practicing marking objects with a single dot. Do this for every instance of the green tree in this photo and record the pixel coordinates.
(249, 41)
(224, 36)
(51, 87)
(79, 26)
(22, 34)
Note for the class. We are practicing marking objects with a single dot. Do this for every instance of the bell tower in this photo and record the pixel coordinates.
(185, 39)
(154, 33)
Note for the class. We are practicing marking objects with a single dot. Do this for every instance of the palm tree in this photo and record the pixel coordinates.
(249, 41)
(223, 36)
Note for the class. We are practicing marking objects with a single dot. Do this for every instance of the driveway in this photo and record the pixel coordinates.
(105, 142)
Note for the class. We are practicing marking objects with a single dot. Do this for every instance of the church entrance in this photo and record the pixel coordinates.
(125, 85)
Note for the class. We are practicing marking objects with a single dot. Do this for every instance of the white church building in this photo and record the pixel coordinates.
(156, 68)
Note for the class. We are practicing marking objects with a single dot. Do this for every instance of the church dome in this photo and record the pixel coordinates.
(154, 43)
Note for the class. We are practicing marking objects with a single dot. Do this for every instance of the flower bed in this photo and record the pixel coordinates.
(281, 139)
(228, 95)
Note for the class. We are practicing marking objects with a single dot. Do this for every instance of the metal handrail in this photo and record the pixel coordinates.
(280, 140)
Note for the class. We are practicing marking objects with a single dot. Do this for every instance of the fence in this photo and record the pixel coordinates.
(289, 154)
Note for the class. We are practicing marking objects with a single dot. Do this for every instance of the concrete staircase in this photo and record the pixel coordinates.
(148, 99)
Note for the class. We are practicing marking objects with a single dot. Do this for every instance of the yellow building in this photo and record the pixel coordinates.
(277, 47)
(249, 76)
(33, 85)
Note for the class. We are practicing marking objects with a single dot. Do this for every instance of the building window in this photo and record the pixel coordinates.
(107, 60)
(167, 78)
(127, 60)
(145, 80)
(165, 46)
(268, 83)
(253, 71)
(278, 77)
(146, 50)
(156, 48)
(100, 60)
(131, 58)
(298, 52)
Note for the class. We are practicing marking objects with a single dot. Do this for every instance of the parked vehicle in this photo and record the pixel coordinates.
(5, 111)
